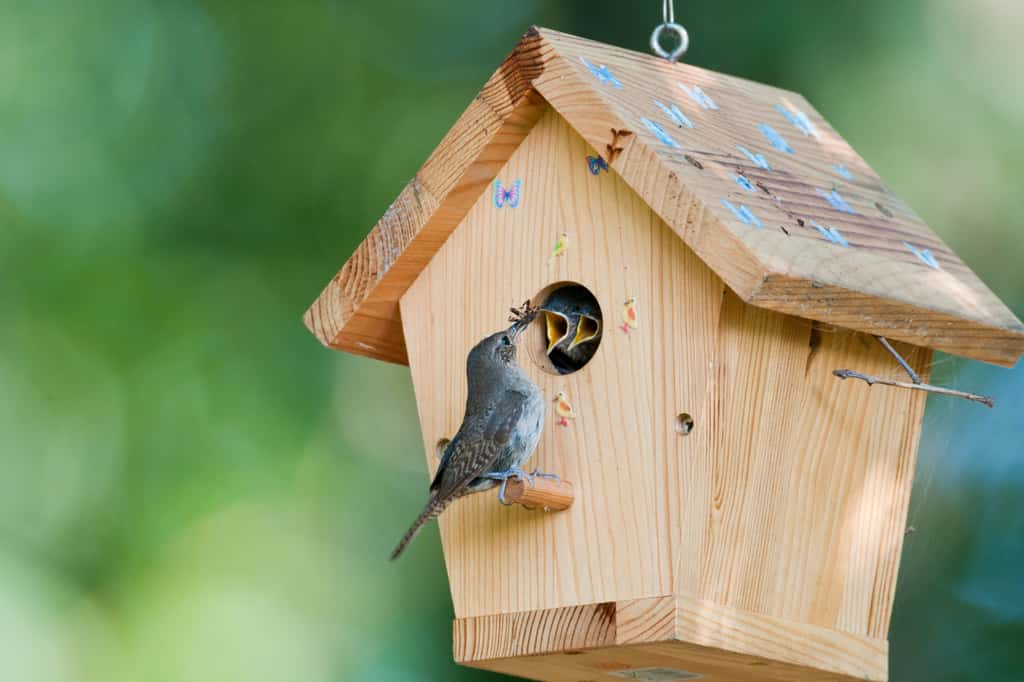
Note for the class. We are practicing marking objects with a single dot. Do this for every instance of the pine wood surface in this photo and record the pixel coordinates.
(593, 641)
(786, 501)
(882, 282)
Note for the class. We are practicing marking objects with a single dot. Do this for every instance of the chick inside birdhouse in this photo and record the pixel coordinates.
(567, 333)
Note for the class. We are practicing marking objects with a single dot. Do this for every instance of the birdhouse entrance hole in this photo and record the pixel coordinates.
(566, 334)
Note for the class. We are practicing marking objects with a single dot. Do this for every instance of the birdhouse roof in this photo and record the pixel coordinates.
(751, 177)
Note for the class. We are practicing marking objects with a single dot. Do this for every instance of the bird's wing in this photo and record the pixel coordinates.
(439, 474)
(477, 447)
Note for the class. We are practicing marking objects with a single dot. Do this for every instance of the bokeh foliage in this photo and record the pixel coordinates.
(192, 489)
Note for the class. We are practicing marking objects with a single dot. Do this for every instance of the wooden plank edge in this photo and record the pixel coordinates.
(934, 329)
(667, 619)
(509, 101)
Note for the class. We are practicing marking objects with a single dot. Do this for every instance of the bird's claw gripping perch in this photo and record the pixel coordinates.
(504, 477)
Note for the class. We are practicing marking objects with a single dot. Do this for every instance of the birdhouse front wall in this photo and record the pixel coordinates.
(787, 498)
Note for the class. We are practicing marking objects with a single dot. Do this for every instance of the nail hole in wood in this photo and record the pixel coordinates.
(684, 424)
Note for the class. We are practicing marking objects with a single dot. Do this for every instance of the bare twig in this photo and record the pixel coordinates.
(871, 380)
(899, 358)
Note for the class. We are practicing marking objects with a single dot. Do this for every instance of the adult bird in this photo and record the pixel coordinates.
(572, 320)
(502, 424)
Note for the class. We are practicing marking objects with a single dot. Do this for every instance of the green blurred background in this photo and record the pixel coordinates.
(192, 489)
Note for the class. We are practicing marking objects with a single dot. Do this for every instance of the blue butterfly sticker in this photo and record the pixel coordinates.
(602, 73)
(596, 164)
(744, 183)
(925, 255)
(836, 201)
(774, 138)
(757, 159)
(675, 115)
(743, 214)
(507, 196)
(842, 170)
(700, 97)
(799, 120)
(831, 234)
(660, 133)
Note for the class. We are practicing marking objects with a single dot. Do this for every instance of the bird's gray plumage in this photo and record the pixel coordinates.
(502, 424)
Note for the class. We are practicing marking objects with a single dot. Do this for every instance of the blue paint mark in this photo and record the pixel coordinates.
(675, 115)
(925, 255)
(660, 133)
(743, 214)
(831, 234)
(757, 159)
(776, 140)
(799, 120)
(744, 183)
(602, 73)
(700, 97)
(842, 170)
(837, 202)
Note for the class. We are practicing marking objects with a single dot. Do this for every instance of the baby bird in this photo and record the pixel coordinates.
(573, 327)
(563, 409)
(499, 432)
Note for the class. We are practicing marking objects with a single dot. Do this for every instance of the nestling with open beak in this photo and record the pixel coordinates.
(572, 320)
(502, 424)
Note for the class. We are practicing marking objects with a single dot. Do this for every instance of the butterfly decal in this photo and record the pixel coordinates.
(660, 133)
(836, 201)
(799, 120)
(508, 195)
(775, 138)
(831, 234)
(842, 170)
(602, 73)
(675, 115)
(743, 214)
(700, 97)
(596, 164)
(925, 255)
(757, 159)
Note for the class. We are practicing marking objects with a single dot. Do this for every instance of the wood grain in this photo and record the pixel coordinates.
(788, 498)
(876, 285)
(543, 494)
(674, 631)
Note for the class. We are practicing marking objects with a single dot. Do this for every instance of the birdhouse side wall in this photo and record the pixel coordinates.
(788, 498)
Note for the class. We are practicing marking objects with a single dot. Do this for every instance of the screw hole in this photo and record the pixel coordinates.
(440, 447)
(684, 424)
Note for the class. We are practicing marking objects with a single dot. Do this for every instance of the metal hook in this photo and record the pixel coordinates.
(684, 41)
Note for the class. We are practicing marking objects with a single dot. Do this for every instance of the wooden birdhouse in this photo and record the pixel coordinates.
(739, 510)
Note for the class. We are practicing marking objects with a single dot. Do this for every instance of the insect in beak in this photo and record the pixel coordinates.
(557, 326)
(587, 329)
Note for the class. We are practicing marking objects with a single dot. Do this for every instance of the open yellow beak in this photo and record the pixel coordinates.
(587, 329)
(557, 328)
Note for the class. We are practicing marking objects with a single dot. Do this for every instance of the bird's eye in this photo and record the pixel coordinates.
(505, 340)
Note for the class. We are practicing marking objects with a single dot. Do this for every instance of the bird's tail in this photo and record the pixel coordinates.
(433, 508)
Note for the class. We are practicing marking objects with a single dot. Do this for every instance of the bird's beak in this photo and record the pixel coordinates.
(520, 325)
(587, 329)
(557, 326)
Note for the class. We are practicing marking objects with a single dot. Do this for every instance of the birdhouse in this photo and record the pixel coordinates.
(739, 509)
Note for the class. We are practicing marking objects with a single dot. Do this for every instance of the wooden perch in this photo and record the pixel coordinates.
(544, 493)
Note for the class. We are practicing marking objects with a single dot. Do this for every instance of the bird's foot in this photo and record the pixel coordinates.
(563, 422)
(624, 328)
(537, 473)
(503, 476)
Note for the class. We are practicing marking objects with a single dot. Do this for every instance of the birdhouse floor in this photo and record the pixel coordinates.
(663, 638)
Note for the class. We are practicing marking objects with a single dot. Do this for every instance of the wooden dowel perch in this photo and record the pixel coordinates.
(545, 493)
